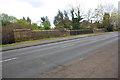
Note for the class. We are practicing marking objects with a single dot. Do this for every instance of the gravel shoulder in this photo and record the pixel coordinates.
(101, 64)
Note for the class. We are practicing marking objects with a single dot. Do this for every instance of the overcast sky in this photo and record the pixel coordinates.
(38, 8)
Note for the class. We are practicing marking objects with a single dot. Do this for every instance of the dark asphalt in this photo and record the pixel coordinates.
(32, 61)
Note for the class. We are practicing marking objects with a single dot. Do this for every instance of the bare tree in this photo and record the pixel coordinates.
(101, 9)
(109, 8)
(98, 13)
(89, 15)
(114, 19)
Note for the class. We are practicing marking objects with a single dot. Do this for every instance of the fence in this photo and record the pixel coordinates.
(78, 32)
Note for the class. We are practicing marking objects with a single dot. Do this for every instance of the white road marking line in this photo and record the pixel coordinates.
(43, 63)
(67, 45)
(8, 60)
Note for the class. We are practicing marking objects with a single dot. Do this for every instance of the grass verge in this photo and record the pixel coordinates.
(47, 39)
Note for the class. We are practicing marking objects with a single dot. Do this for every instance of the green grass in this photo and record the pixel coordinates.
(46, 39)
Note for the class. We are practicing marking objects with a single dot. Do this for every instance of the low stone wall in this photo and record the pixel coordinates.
(7, 35)
(26, 35)
(98, 30)
(19, 35)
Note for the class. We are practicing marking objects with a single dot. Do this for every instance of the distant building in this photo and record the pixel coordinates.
(86, 24)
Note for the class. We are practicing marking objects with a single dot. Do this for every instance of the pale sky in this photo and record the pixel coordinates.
(39, 8)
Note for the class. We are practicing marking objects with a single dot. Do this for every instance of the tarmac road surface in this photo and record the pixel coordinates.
(30, 62)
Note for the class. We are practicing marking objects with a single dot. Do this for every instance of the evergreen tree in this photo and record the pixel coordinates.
(28, 20)
(76, 20)
(46, 23)
(61, 20)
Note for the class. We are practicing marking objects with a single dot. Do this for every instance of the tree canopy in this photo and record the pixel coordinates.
(45, 22)
(103, 16)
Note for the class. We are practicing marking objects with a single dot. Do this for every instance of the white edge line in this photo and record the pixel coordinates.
(8, 60)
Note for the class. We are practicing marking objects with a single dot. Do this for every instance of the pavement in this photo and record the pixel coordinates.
(31, 62)
(12, 47)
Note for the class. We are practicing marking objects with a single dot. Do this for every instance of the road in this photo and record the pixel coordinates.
(32, 61)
